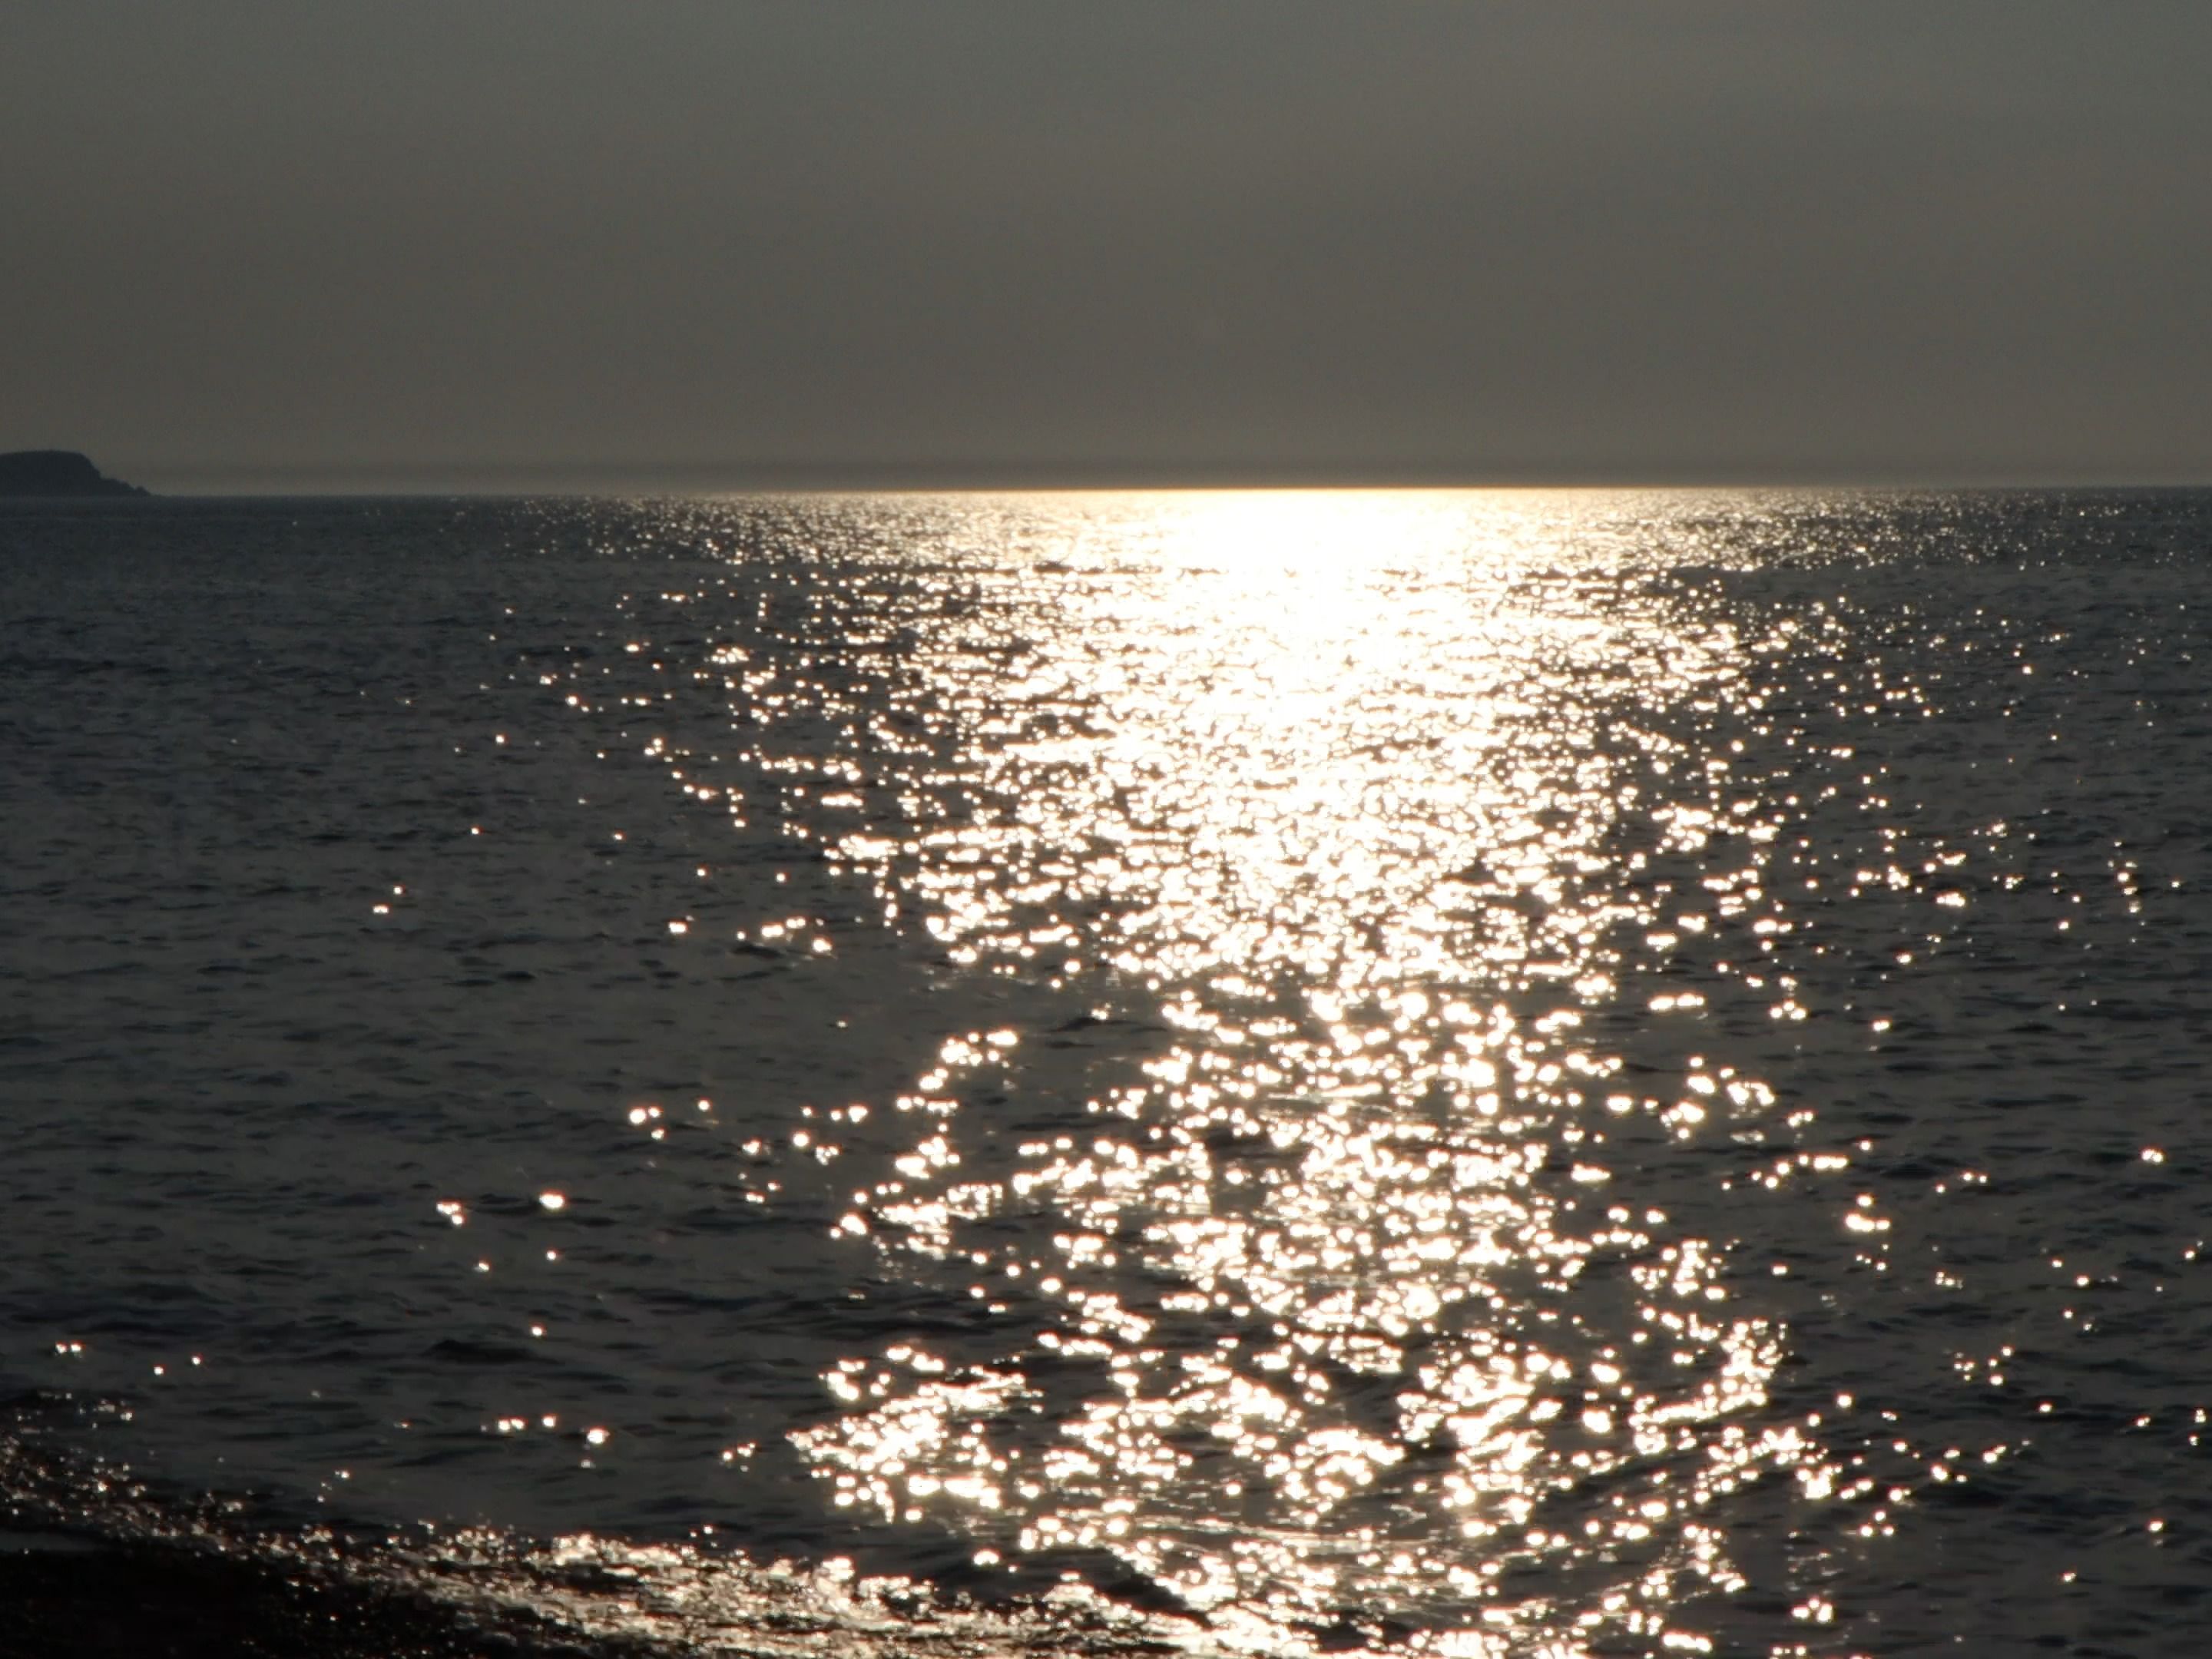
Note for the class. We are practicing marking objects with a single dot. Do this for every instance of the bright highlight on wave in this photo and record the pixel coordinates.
(1350, 1306)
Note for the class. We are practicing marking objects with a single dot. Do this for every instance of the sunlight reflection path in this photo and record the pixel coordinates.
(1344, 1320)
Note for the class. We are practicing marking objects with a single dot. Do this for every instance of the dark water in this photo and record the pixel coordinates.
(1476, 1074)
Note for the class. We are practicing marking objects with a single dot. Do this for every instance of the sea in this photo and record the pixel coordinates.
(1474, 1073)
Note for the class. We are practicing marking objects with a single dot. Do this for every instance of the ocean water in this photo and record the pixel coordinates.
(1464, 1073)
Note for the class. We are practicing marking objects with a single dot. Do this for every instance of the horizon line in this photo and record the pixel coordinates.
(709, 479)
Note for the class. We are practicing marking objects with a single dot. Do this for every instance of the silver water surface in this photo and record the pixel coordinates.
(1471, 1074)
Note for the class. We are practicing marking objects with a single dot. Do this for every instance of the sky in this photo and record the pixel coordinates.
(704, 244)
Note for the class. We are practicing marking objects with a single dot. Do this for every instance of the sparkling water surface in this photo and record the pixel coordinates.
(1461, 1073)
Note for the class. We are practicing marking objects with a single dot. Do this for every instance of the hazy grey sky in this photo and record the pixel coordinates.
(390, 243)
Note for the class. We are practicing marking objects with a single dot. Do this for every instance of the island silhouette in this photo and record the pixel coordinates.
(47, 472)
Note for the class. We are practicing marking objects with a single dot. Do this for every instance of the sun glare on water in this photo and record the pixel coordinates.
(1349, 1306)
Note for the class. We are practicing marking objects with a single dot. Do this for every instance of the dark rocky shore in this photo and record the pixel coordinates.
(56, 472)
(62, 1598)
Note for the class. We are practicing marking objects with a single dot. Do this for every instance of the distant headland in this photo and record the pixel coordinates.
(56, 472)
